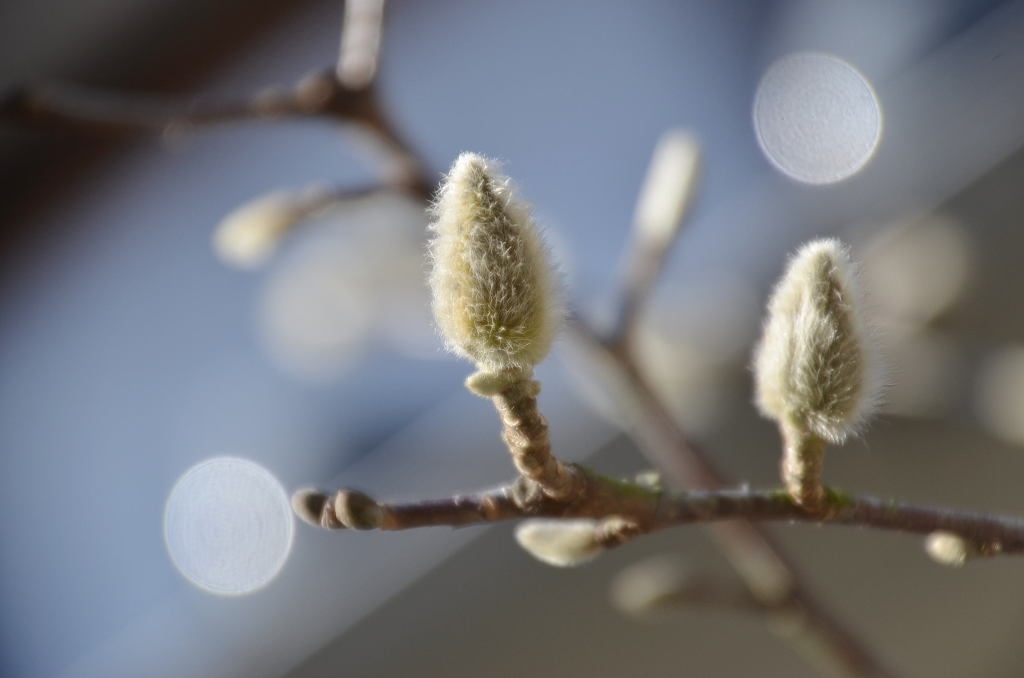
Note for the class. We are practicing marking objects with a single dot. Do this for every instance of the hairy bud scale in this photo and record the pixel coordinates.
(494, 293)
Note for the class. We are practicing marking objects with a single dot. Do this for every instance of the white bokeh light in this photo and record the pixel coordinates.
(228, 525)
(817, 118)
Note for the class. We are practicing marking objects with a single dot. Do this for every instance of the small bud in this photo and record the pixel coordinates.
(249, 234)
(650, 479)
(357, 511)
(814, 371)
(314, 90)
(489, 384)
(657, 584)
(494, 293)
(948, 548)
(308, 505)
(668, 188)
(562, 543)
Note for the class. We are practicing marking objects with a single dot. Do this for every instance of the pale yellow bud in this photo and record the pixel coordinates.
(495, 297)
(656, 584)
(814, 369)
(562, 543)
(948, 548)
(249, 234)
(668, 188)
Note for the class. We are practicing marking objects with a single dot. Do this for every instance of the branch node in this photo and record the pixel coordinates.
(314, 92)
(357, 510)
(488, 384)
(616, 531)
(308, 504)
(526, 436)
(527, 494)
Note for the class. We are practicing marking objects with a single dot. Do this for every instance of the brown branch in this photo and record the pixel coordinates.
(316, 96)
(345, 93)
(662, 207)
(525, 433)
(356, 70)
(600, 497)
(750, 549)
(754, 554)
(77, 108)
(643, 262)
(759, 561)
(359, 49)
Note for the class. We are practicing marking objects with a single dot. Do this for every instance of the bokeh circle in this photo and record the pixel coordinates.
(817, 119)
(228, 525)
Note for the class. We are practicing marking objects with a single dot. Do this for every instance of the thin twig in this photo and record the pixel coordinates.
(359, 49)
(525, 432)
(651, 510)
(754, 554)
(56, 106)
(356, 70)
(662, 206)
(316, 96)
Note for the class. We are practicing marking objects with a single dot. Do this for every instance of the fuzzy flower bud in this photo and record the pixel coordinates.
(494, 293)
(814, 372)
(562, 543)
(249, 234)
(948, 548)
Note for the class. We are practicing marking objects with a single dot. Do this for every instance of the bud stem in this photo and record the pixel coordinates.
(525, 432)
(802, 461)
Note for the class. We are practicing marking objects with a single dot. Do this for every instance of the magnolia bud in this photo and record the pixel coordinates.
(657, 584)
(249, 234)
(494, 293)
(814, 371)
(562, 543)
(948, 548)
(668, 188)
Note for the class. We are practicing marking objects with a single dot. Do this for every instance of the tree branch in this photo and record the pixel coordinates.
(662, 206)
(751, 550)
(247, 236)
(652, 510)
(316, 96)
(77, 108)
(525, 433)
(359, 48)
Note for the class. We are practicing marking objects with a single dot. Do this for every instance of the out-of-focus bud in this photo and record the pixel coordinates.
(247, 236)
(655, 585)
(668, 188)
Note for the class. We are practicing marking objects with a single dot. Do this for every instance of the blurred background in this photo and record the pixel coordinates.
(129, 353)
